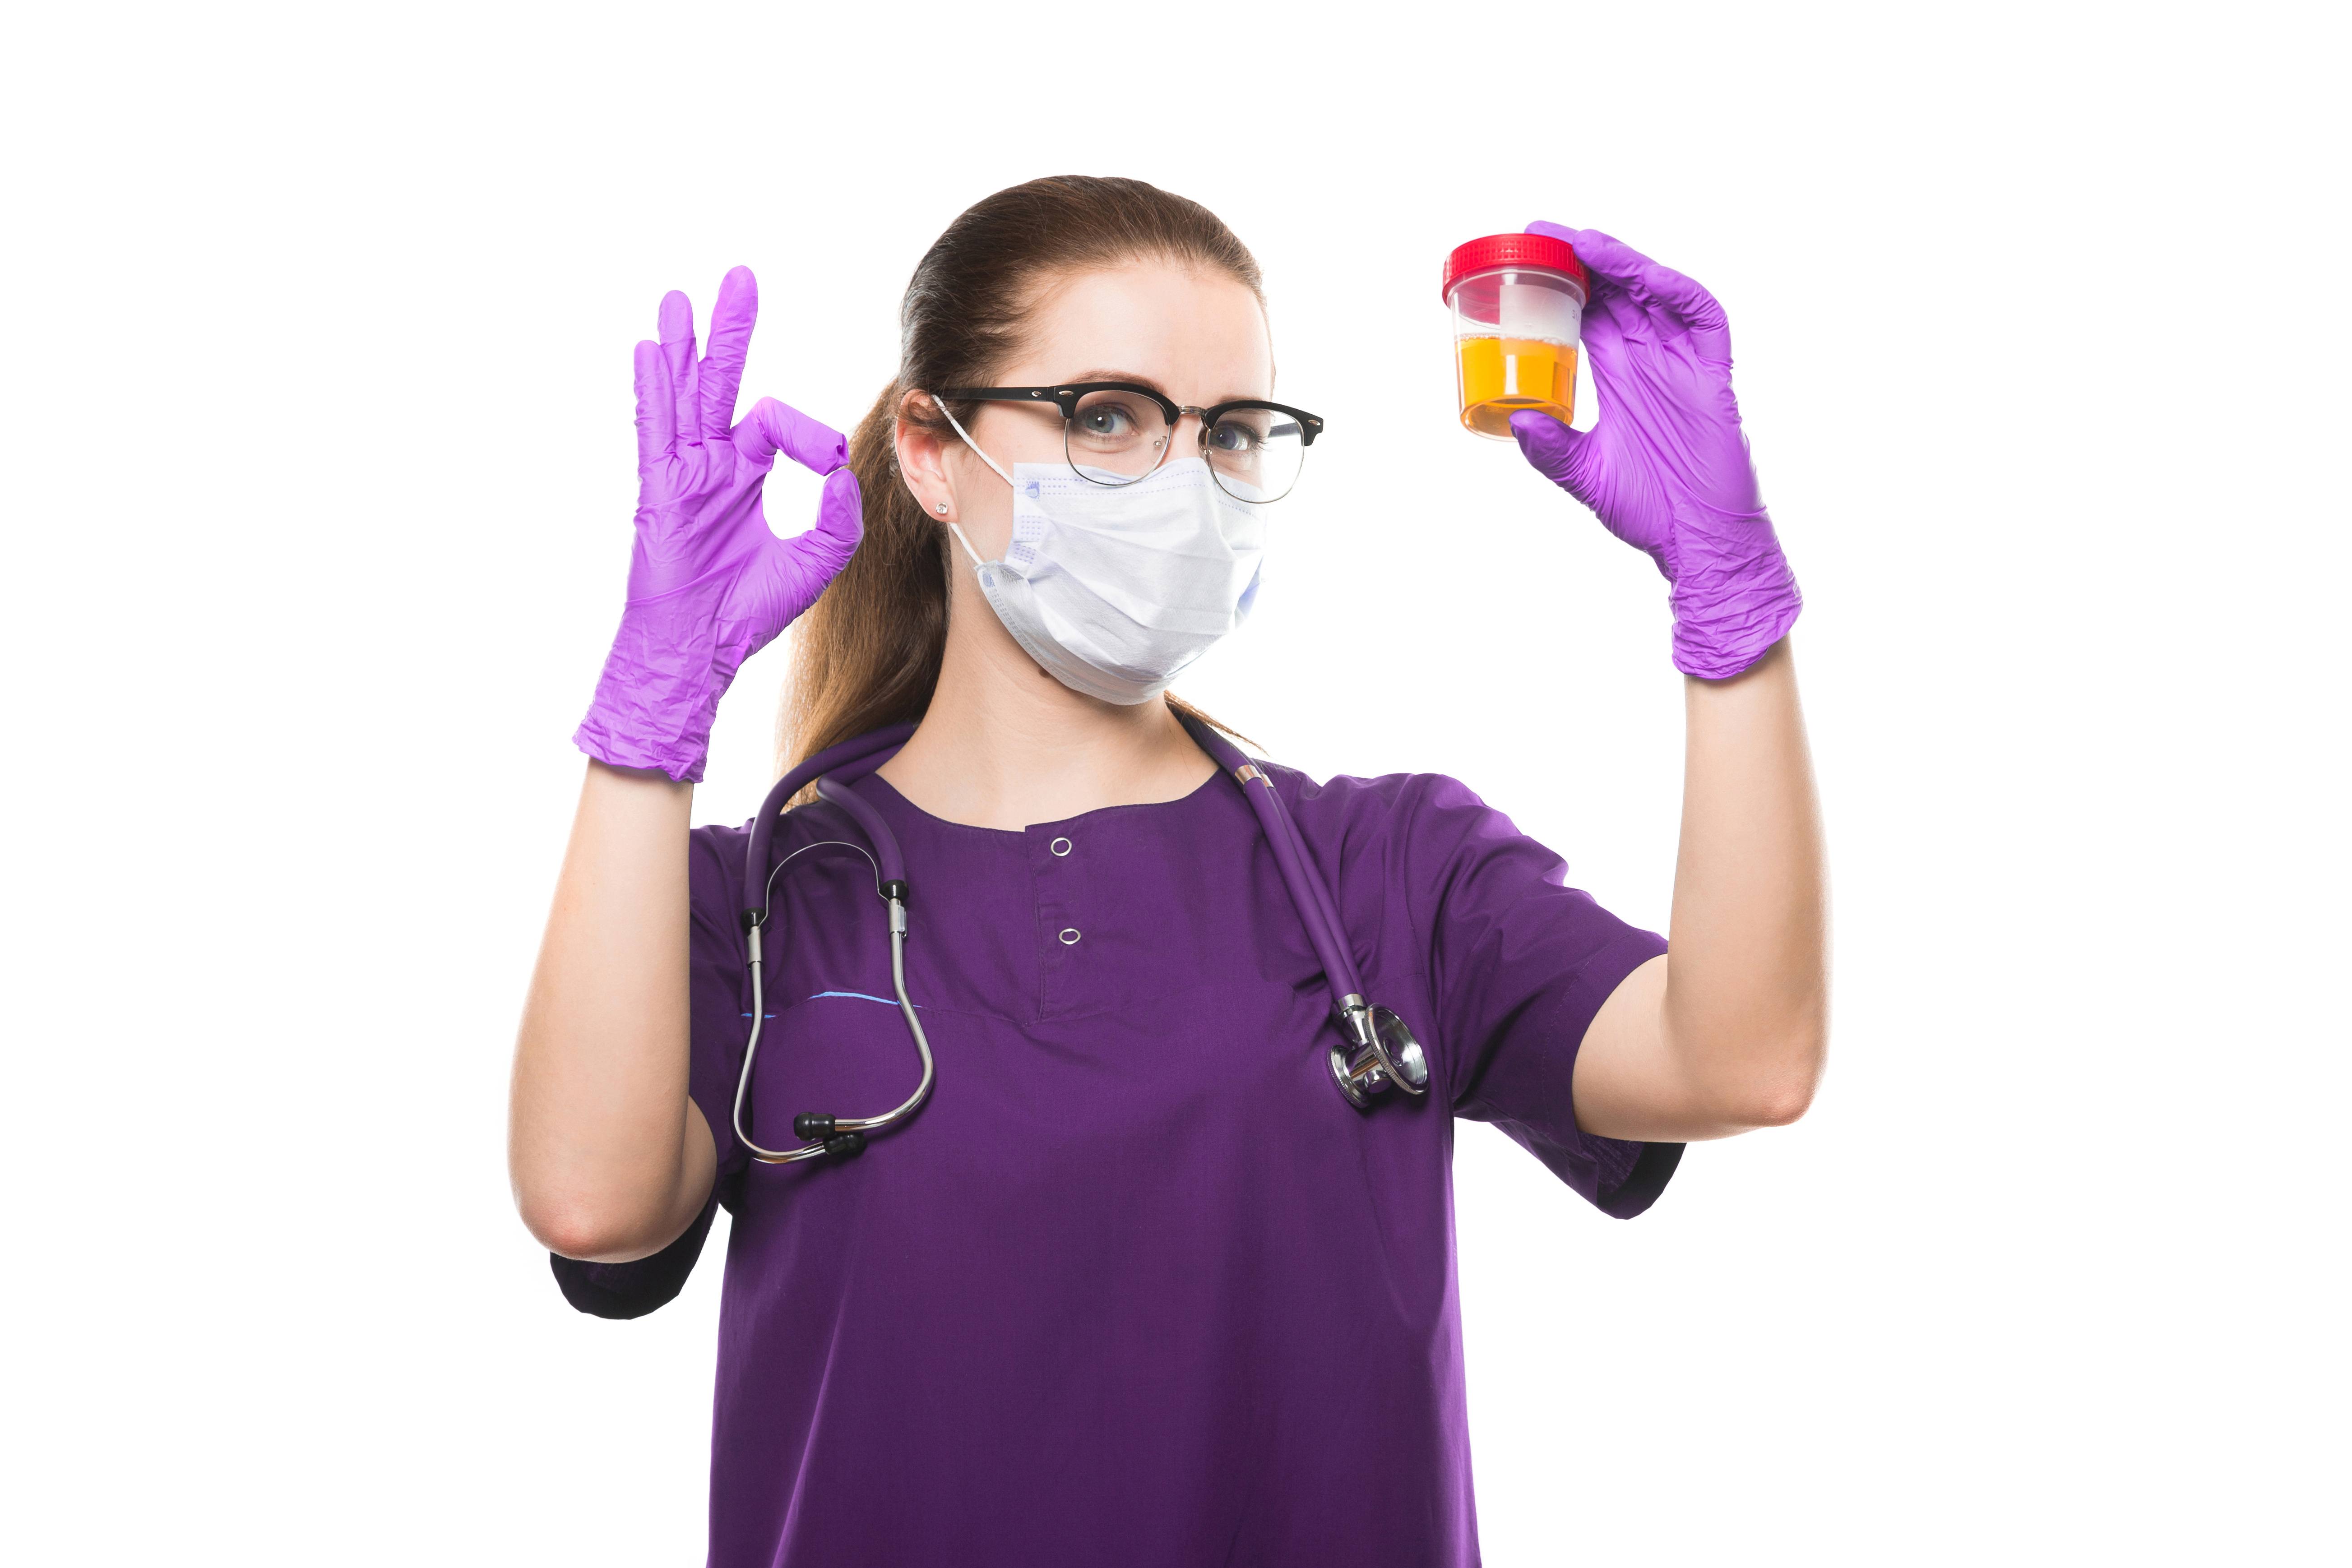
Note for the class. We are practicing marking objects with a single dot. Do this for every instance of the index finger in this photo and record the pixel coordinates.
(1637, 275)
(772, 426)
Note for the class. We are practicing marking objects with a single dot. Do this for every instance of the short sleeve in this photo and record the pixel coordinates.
(720, 997)
(1519, 965)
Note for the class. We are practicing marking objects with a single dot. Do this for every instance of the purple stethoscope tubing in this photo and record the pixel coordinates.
(852, 759)
(1378, 1049)
(1324, 931)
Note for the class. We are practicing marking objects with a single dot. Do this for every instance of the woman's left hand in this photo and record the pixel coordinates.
(1665, 465)
(1730, 1031)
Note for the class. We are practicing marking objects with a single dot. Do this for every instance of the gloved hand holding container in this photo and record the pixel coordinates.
(1518, 310)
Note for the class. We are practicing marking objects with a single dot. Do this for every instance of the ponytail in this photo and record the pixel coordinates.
(867, 653)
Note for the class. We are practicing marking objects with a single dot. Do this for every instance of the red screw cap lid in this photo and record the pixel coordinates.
(1513, 250)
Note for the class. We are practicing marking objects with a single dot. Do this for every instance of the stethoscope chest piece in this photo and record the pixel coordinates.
(1380, 1051)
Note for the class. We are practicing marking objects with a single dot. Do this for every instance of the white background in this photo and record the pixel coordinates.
(319, 478)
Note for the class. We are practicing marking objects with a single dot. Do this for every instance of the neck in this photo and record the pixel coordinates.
(1004, 744)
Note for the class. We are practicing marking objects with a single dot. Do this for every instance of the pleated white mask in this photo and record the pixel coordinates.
(1115, 589)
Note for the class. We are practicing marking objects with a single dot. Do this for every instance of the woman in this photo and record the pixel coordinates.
(1135, 1284)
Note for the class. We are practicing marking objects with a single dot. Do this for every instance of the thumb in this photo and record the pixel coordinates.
(1551, 448)
(840, 524)
(792, 573)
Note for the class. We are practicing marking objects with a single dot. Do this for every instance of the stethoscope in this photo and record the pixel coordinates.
(1376, 1049)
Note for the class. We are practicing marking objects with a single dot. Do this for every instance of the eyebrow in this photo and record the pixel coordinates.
(1139, 379)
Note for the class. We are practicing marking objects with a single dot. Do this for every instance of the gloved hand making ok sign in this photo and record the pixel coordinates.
(709, 584)
(1665, 465)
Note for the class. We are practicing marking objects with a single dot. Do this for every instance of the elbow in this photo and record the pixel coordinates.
(587, 1231)
(1778, 1100)
(604, 1204)
(1776, 1087)
(569, 1231)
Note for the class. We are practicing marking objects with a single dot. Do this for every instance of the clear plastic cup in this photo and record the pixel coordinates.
(1518, 315)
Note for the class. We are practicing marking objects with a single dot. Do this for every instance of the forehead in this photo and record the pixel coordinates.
(1200, 334)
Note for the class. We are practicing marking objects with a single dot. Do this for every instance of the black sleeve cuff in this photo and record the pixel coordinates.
(633, 1289)
(1644, 1183)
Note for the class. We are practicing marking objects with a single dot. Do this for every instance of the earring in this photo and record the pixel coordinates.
(942, 505)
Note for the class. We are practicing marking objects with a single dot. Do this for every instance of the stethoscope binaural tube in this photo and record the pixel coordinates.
(833, 770)
(1379, 1050)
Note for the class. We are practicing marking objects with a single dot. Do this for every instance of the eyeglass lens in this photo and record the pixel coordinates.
(1117, 438)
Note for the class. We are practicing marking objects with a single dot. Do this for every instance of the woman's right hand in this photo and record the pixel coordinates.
(710, 583)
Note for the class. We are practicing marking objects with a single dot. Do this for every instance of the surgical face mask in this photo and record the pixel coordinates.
(1114, 589)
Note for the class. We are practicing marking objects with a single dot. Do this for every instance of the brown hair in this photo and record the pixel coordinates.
(867, 652)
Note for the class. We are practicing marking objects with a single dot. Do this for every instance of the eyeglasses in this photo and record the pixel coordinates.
(1115, 433)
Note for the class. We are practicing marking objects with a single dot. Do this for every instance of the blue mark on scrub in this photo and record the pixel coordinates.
(859, 995)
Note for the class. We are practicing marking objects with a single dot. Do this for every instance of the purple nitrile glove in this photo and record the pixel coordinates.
(709, 585)
(1666, 465)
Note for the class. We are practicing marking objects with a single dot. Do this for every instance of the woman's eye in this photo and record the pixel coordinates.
(1231, 435)
(1108, 420)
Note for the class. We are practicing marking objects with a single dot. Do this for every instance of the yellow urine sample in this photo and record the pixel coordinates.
(1502, 375)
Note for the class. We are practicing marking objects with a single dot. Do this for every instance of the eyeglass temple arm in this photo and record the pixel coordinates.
(1062, 397)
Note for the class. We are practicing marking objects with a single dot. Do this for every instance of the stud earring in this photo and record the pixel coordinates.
(942, 505)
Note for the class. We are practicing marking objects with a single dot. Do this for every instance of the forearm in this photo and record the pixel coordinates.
(1745, 1009)
(608, 1157)
(1729, 1032)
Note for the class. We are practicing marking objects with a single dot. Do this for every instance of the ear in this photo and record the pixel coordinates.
(922, 456)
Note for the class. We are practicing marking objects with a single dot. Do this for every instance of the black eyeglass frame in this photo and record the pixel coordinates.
(1066, 398)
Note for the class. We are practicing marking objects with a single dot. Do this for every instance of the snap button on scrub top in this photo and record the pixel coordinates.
(1060, 847)
(1069, 936)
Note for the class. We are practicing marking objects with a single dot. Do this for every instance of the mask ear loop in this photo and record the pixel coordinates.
(977, 563)
(939, 403)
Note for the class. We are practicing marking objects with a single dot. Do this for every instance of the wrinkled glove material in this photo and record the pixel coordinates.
(1665, 465)
(710, 583)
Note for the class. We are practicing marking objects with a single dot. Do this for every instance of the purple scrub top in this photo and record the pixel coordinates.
(1135, 1285)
